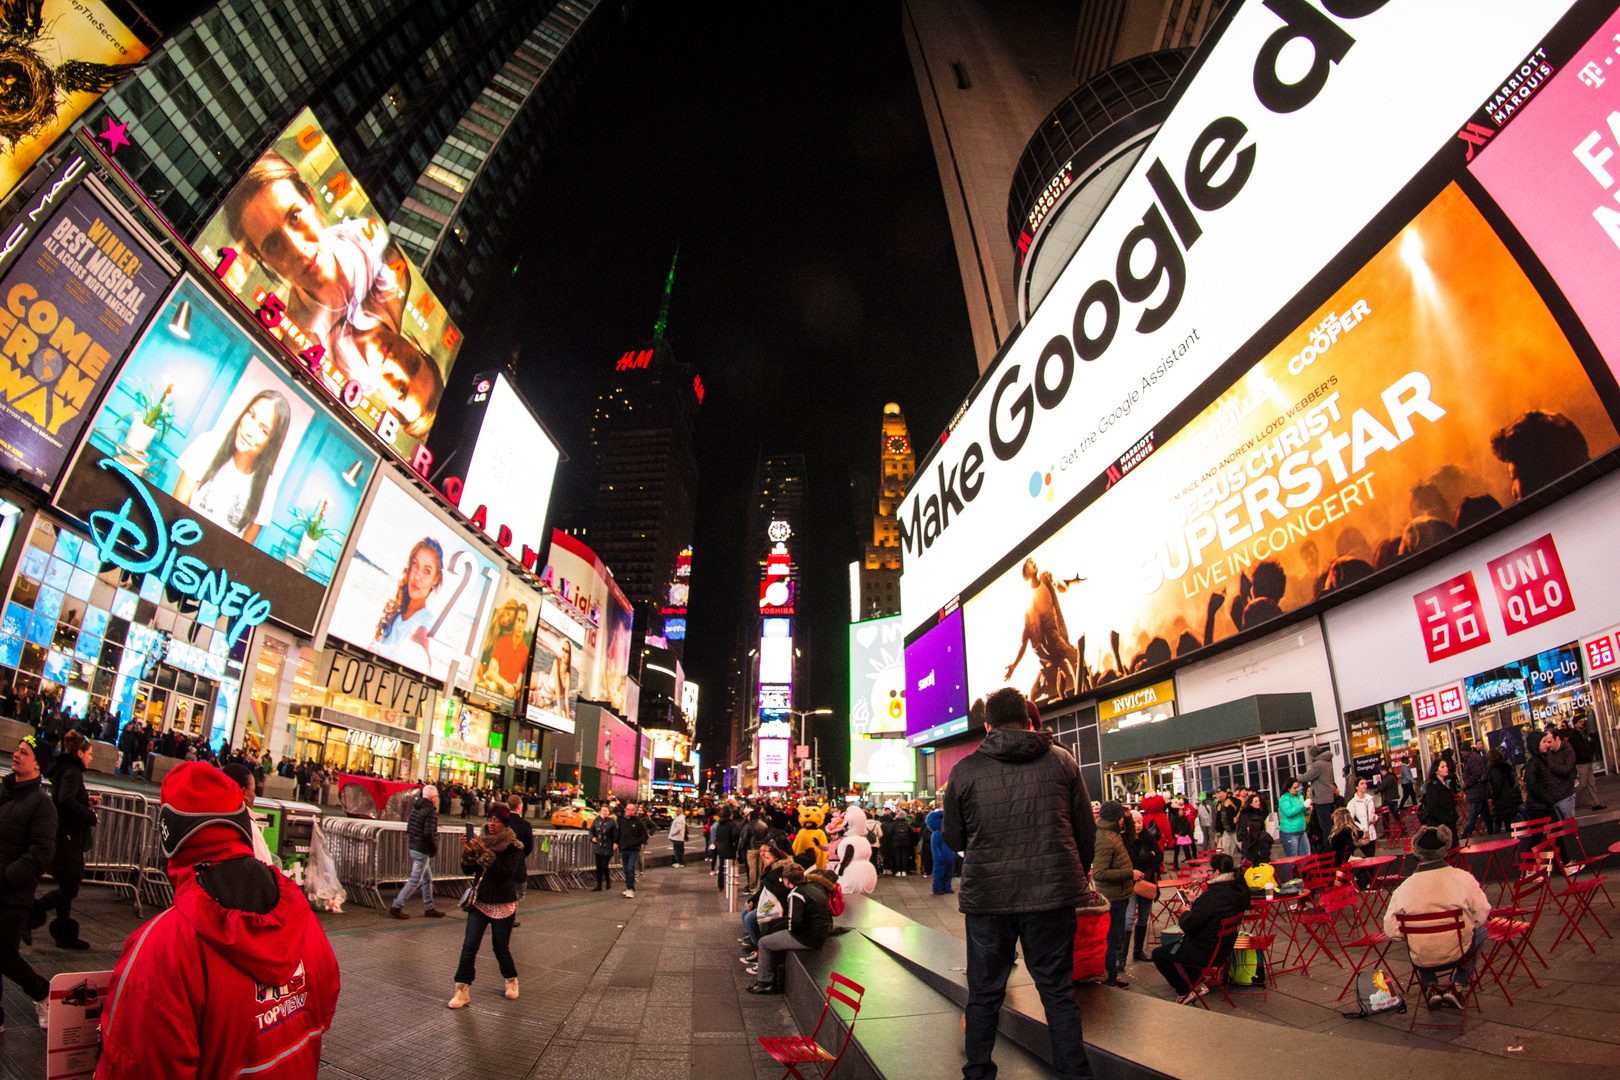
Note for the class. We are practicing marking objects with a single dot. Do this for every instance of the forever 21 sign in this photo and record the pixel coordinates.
(356, 677)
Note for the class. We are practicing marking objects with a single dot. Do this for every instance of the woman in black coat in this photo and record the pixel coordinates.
(1505, 797)
(1254, 842)
(1201, 942)
(1439, 806)
(495, 861)
(75, 818)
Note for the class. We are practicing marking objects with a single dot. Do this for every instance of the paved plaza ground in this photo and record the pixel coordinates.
(650, 989)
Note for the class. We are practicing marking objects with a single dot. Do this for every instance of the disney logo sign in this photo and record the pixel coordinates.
(156, 548)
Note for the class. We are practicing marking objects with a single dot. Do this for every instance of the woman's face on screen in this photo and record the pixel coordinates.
(423, 574)
(254, 429)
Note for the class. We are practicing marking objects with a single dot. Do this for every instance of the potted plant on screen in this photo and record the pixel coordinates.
(153, 418)
(312, 529)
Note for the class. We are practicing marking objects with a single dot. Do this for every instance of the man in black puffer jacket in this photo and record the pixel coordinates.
(1019, 810)
(422, 838)
(27, 847)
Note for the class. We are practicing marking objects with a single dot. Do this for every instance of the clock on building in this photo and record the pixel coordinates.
(896, 444)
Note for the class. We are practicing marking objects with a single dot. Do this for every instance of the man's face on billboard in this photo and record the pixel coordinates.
(284, 228)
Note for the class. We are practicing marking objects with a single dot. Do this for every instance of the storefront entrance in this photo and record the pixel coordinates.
(1264, 764)
(175, 701)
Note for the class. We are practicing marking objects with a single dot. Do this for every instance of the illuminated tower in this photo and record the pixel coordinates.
(879, 573)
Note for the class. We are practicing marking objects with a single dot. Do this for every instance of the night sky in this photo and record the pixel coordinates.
(787, 154)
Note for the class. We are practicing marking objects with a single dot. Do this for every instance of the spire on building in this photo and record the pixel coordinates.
(662, 323)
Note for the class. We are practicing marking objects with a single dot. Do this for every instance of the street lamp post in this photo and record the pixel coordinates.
(804, 723)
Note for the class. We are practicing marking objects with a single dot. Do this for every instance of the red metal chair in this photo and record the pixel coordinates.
(1566, 836)
(796, 1050)
(1374, 946)
(1323, 923)
(1509, 932)
(1528, 830)
(1212, 976)
(1574, 900)
(1260, 943)
(1439, 923)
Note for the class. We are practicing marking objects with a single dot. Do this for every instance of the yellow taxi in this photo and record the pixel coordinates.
(572, 817)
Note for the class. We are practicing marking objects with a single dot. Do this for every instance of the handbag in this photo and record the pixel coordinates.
(470, 897)
(1146, 889)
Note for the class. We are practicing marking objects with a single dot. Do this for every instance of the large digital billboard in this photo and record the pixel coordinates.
(496, 677)
(586, 584)
(877, 678)
(1362, 438)
(882, 764)
(211, 429)
(554, 679)
(417, 591)
(1268, 164)
(936, 683)
(506, 486)
(313, 257)
(60, 56)
(70, 305)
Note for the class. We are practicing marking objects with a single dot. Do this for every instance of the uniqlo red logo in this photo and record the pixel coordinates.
(1600, 653)
(1427, 706)
(1530, 585)
(1451, 700)
(1450, 616)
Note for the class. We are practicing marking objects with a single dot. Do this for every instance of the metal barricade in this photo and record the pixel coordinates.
(118, 844)
(560, 859)
(370, 854)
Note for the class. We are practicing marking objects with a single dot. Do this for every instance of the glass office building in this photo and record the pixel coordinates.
(442, 110)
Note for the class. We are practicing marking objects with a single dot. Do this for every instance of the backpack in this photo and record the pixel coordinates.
(835, 899)
(1376, 992)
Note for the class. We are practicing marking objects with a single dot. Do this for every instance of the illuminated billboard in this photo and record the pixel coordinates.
(877, 678)
(775, 660)
(882, 764)
(936, 683)
(418, 590)
(1359, 440)
(1239, 201)
(495, 677)
(587, 586)
(60, 56)
(70, 305)
(773, 763)
(299, 242)
(554, 679)
(506, 487)
(212, 429)
(776, 589)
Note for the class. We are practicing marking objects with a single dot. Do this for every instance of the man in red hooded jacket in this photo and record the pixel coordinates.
(237, 978)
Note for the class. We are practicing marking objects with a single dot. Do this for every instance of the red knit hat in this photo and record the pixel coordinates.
(196, 795)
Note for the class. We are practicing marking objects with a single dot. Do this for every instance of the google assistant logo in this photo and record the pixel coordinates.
(1041, 480)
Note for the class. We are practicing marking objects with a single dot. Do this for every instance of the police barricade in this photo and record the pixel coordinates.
(370, 854)
(118, 843)
(560, 858)
(155, 886)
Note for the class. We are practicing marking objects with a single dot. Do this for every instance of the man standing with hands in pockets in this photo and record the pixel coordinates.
(1018, 809)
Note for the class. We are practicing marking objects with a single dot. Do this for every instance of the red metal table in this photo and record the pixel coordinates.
(1285, 866)
(1491, 850)
(1177, 901)
(1371, 894)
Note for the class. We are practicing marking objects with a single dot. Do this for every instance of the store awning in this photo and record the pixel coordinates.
(1233, 721)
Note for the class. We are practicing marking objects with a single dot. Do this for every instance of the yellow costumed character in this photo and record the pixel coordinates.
(810, 837)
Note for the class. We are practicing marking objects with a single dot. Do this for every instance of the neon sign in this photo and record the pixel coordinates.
(633, 360)
(185, 574)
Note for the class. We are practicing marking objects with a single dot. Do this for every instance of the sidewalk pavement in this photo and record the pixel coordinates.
(612, 989)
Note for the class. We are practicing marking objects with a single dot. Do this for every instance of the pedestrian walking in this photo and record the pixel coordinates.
(27, 848)
(1318, 779)
(1115, 877)
(1019, 810)
(495, 860)
(604, 835)
(725, 846)
(525, 835)
(75, 818)
(1476, 788)
(1439, 803)
(1583, 739)
(237, 977)
(632, 836)
(677, 836)
(422, 843)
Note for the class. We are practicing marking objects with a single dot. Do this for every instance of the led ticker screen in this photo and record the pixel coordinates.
(315, 259)
(1360, 440)
(877, 678)
(1227, 215)
(773, 763)
(508, 480)
(936, 683)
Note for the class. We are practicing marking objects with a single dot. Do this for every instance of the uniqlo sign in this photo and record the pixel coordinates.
(1600, 652)
(1530, 585)
(1434, 704)
(1450, 616)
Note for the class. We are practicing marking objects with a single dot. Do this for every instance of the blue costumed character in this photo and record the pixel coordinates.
(944, 857)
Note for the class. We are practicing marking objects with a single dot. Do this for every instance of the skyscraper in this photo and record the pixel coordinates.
(442, 109)
(636, 499)
(998, 85)
(877, 579)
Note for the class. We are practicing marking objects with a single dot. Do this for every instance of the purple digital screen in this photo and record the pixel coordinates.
(936, 683)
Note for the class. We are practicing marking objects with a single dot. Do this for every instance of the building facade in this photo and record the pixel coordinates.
(877, 579)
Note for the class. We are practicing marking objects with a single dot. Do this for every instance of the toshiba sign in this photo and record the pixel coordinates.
(1293, 128)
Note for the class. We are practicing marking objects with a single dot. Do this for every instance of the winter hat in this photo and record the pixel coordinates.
(1112, 811)
(1432, 844)
(196, 795)
(1033, 713)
